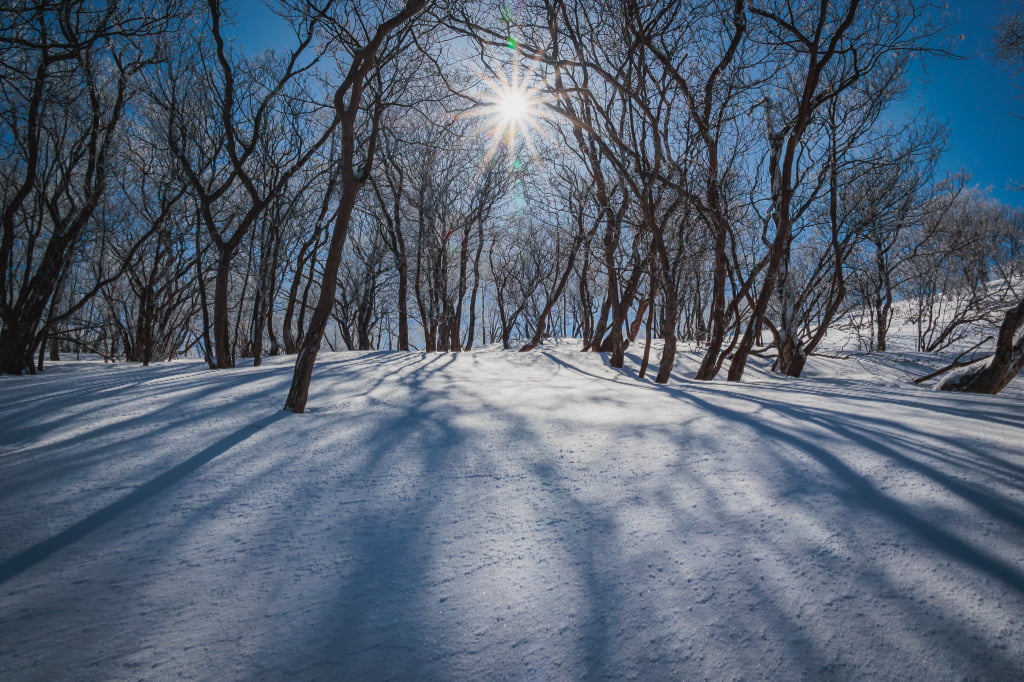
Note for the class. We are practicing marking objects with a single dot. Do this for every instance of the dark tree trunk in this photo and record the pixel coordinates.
(204, 306)
(883, 309)
(54, 346)
(16, 350)
(256, 323)
(662, 267)
(310, 347)
(363, 63)
(719, 317)
(792, 357)
(648, 333)
(1005, 364)
(403, 304)
(275, 346)
(471, 332)
(221, 327)
(290, 345)
(455, 322)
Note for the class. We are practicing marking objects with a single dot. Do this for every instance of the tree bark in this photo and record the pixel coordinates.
(363, 63)
(298, 393)
(1005, 364)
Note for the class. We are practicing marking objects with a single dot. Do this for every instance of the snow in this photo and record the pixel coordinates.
(508, 515)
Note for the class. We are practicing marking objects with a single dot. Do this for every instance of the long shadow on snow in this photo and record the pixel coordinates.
(862, 492)
(365, 629)
(386, 542)
(44, 463)
(854, 389)
(180, 527)
(52, 408)
(590, 552)
(859, 493)
(369, 631)
(30, 557)
(860, 430)
(68, 406)
(934, 401)
(616, 636)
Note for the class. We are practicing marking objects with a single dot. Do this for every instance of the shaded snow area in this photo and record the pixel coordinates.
(501, 515)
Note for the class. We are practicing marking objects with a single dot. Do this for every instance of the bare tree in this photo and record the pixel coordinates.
(707, 64)
(68, 75)
(363, 38)
(1005, 364)
(825, 50)
(226, 114)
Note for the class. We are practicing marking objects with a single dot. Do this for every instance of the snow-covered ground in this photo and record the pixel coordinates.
(496, 515)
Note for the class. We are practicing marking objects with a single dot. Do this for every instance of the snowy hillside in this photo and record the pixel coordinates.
(493, 515)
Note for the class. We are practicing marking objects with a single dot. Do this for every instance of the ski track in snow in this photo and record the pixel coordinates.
(494, 515)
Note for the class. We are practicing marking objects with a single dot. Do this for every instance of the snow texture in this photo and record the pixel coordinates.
(502, 515)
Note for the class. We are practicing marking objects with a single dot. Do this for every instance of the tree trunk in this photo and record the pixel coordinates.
(668, 353)
(1005, 364)
(662, 267)
(649, 333)
(221, 327)
(363, 63)
(298, 393)
(256, 328)
(275, 345)
(403, 303)
(16, 350)
(719, 318)
(471, 332)
(792, 356)
(54, 346)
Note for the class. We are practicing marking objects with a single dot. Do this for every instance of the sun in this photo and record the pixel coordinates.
(513, 105)
(512, 108)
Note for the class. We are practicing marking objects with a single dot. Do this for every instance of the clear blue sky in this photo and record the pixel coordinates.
(975, 96)
(978, 99)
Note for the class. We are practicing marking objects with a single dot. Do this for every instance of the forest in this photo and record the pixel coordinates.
(605, 333)
(441, 175)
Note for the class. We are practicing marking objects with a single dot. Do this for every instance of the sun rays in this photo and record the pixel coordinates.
(511, 111)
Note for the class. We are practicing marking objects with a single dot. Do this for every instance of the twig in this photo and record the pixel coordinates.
(956, 363)
(831, 357)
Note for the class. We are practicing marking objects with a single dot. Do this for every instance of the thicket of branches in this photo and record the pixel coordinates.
(723, 172)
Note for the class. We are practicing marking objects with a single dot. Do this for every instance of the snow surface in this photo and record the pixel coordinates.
(494, 515)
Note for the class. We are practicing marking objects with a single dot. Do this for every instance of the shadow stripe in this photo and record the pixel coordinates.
(39, 552)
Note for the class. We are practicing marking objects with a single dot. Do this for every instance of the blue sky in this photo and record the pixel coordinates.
(974, 95)
(978, 99)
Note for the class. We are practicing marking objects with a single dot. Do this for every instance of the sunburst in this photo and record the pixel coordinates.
(512, 110)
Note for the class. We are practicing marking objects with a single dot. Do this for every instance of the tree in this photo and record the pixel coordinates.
(1008, 359)
(711, 83)
(240, 129)
(364, 42)
(1005, 364)
(68, 77)
(824, 49)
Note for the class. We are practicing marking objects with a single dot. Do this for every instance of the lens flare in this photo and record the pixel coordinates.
(512, 109)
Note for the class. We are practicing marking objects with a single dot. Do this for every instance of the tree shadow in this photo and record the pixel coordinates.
(415, 525)
(30, 557)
